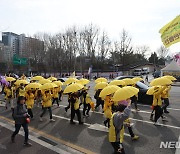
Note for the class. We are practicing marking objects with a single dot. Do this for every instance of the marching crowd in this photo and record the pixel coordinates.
(115, 98)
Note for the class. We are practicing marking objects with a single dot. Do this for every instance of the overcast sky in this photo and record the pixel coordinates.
(141, 18)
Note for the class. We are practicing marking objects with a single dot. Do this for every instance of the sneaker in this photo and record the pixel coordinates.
(135, 137)
(137, 110)
(72, 122)
(81, 123)
(12, 139)
(52, 120)
(66, 109)
(27, 144)
(40, 119)
(87, 114)
(156, 123)
(166, 111)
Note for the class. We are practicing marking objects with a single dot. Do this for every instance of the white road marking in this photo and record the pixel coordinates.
(167, 108)
(97, 127)
(178, 149)
(34, 137)
(149, 122)
(144, 121)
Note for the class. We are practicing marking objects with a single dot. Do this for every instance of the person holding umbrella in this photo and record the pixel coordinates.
(47, 104)
(30, 96)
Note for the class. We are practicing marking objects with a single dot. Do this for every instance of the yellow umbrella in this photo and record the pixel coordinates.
(44, 81)
(33, 86)
(37, 78)
(18, 82)
(128, 81)
(70, 80)
(100, 80)
(109, 90)
(100, 85)
(152, 90)
(125, 93)
(172, 78)
(47, 86)
(10, 79)
(136, 79)
(52, 78)
(83, 81)
(117, 83)
(74, 87)
(160, 81)
(54, 85)
(58, 83)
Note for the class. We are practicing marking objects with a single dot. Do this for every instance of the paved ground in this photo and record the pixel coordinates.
(92, 136)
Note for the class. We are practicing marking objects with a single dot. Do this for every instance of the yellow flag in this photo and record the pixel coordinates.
(170, 33)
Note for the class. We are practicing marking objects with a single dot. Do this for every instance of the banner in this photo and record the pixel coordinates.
(170, 33)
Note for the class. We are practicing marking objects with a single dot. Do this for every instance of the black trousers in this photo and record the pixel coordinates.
(30, 113)
(17, 128)
(118, 148)
(55, 100)
(158, 112)
(44, 111)
(130, 131)
(77, 112)
(98, 103)
(166, 104)
(60, 95)
(107, 121)
(86, 108)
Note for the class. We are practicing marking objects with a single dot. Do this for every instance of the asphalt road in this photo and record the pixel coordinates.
(92, 136)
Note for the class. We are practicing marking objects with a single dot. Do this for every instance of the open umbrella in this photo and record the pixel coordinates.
(33, 86)
(74, 87)
(100, 80)
(128, 81)
(52, 78)
(10, 79)
(100, 85)
(125, 93)
(136, 79)
(47, 86)
(117, 83)
(152, 90)
(109, 90)
(18, 82)
(44, 81)
(160, 81)
(83, 81)
(172, 78)
(70, 80)
(58, 83)
(37, 78)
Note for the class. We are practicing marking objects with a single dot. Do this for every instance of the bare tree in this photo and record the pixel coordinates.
(163, 52)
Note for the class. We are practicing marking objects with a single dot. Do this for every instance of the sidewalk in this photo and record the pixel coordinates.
(40, 144)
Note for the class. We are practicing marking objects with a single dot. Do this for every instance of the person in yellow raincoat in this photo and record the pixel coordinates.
(74, 103)
(9, 96)
(38, 97)
(21, 90)
(157, 104)
(30, 96)
(56, 95)
(165, 97)
(116, 129)
(47, 104)
(86, 102)
(107, 110)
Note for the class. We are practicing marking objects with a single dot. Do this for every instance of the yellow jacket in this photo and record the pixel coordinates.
(8, 92)
(165, 93)
(47, 100)
(112, 132)
(29, 100)
(55, 93)
(22, 92)
(157, 97)
(88, 99)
